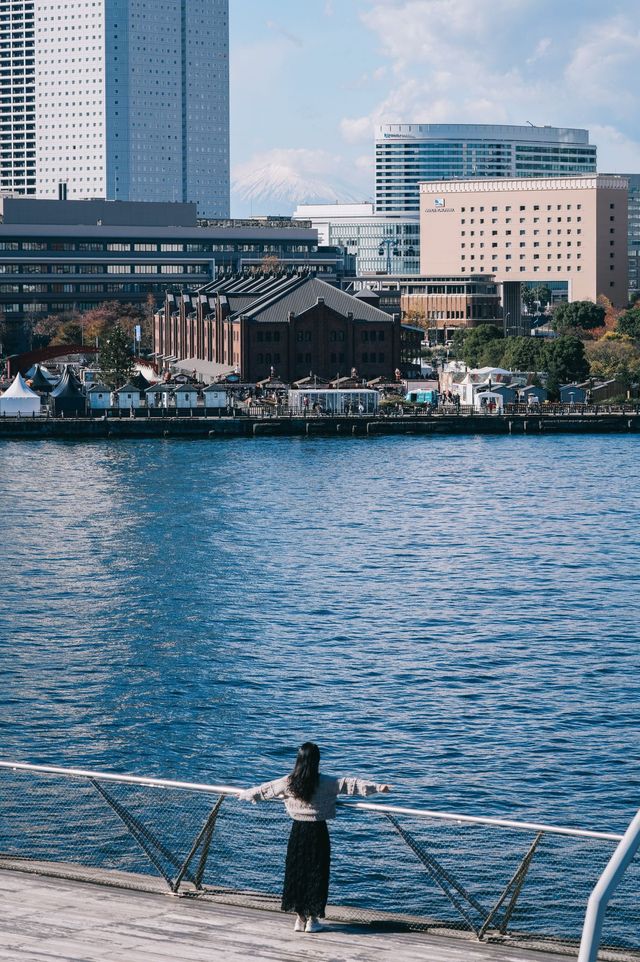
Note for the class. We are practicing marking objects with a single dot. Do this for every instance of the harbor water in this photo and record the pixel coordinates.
(458, 617)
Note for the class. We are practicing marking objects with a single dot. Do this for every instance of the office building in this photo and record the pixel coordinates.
(436, 304)
(569, 229)
(118, 99)
(387, 244)
(409, 153)
(64, 256)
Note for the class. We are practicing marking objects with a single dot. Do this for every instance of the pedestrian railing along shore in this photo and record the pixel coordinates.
(393, 866)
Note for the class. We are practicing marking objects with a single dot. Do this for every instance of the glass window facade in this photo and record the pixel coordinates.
(409, 153)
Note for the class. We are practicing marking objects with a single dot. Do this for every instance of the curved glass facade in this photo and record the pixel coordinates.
(409, 153)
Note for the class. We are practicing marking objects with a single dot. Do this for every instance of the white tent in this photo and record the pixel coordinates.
(489, 402)
(19, 399)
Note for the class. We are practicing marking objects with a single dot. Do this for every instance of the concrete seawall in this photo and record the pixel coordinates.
(81, 429)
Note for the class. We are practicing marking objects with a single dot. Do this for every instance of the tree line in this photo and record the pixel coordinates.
(593, 340)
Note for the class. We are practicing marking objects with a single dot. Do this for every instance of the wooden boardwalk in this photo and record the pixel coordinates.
(50, 919)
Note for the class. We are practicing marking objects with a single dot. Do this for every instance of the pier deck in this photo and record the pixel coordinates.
(52, 919)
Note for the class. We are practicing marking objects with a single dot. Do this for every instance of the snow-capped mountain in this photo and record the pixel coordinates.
(281, 179)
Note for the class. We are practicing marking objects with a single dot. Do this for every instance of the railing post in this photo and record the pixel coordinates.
(605, 888)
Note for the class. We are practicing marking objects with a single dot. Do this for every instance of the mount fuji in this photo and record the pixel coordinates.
(281, 179)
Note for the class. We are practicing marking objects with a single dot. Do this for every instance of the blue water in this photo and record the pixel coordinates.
(456, 616)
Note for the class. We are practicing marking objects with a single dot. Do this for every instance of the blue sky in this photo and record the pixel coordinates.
(310, 78)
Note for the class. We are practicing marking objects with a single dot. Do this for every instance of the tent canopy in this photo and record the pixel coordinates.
(40, 381)
(19, 398)
(68, 386)
(20, 389)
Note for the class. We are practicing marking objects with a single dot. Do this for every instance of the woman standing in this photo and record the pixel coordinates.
(310, 800)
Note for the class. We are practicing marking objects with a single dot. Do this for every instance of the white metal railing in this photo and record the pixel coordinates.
(627, 847)
(367, 806)
(604, 890)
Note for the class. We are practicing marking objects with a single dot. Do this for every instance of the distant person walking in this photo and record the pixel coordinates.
(310, 800)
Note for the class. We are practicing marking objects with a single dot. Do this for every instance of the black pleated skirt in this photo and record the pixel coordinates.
(306, 876)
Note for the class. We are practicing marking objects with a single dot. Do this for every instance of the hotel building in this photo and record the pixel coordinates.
(540, 230)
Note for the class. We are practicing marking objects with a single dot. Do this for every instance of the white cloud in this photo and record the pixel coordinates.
(617, 153)
(604, 67)
(485, 61)
(542, 47)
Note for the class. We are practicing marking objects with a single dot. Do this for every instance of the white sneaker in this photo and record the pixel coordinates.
(300, 924)
(313, 926)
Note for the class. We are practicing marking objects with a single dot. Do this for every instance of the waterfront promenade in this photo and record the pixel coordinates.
(51, 920)
(615, 421)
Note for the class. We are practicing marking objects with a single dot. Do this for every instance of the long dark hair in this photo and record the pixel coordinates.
(303, 780)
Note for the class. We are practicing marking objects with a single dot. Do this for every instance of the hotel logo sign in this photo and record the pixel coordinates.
(439, 207)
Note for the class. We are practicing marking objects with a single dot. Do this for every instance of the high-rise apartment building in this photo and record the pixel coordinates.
(17, 97)
(120, 99)
(409, 153)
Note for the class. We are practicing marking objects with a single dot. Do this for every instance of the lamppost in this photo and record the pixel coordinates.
(392, 246)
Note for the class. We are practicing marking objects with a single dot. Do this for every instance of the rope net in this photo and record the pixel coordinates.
(401, 872)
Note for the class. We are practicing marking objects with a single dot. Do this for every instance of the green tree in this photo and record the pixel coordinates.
(542, 294)
(535, 297)
(479, 346)
(565, 361)
(115, 358)
(578, 316)
(527, 297)
(523, 353)
(629, 323)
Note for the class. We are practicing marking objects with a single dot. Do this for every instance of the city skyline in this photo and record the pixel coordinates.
(330, 73)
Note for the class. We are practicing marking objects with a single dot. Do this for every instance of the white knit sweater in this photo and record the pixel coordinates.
(323, 802)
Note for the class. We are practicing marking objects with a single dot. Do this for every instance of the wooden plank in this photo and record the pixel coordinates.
(60, 920)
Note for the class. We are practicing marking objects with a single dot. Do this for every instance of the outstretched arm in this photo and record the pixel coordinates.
(356, 786)
(265, 791)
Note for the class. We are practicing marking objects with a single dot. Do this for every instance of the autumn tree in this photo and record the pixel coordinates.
(611, 313)
(416, 317)
(614, 356)
(69, 330)
(46, 327)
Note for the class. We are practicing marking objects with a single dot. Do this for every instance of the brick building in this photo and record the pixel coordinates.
(293, 324)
